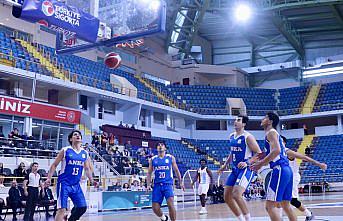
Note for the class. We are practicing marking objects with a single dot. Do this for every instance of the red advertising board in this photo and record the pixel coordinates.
(36, 110)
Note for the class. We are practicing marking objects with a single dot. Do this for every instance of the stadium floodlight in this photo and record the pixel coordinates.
(242, 12)
(155, 5)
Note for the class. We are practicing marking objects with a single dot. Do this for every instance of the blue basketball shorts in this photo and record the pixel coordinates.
(280, 184)
(240, 177)
(74, 192)
(162, 191)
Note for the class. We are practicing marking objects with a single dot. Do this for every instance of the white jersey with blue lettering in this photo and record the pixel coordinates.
(240, 151)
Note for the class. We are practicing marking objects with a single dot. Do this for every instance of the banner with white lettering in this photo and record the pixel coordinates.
(36, 110)
(63, 18)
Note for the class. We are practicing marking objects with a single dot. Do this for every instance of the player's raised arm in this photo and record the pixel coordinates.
(178, 174)
(148, 176)
(295, 155)
(54, 165)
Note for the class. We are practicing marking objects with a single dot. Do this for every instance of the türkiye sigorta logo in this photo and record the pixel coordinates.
(61, 13)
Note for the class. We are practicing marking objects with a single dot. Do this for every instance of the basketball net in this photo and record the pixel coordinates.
(131, 44)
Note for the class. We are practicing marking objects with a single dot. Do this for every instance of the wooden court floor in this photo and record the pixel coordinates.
(327, 207)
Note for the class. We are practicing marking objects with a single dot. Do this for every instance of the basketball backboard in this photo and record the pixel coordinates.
(125, 19)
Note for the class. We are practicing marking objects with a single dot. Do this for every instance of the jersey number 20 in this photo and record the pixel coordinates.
(162, 175)
(75, 171)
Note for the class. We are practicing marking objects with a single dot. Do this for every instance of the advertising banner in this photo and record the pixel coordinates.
(60, 17)
(126, 200)
(36, 110)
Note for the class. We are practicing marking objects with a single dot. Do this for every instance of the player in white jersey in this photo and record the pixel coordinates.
(292, 155)
(205, 178)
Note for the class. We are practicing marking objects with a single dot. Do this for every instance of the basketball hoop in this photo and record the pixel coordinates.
(131, 44)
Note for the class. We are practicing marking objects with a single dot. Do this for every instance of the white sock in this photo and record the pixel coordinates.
(240, 218)
(247, 217)
(163, 217)
(307, 212)
(280, 212)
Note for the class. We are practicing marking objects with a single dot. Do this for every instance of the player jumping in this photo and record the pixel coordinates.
(205, 178)
(292, 155)
(280, 185)
(243, 145)
(74, 159)
(163, 165)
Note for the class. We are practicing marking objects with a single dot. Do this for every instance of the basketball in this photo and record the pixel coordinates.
(112, 60)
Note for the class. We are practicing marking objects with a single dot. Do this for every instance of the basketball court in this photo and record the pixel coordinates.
(325, 207)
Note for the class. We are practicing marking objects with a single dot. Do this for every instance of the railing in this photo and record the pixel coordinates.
(106, 164)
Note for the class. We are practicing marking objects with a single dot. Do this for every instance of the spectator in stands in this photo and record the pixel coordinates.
(117, 153)
(121, 124)
(126, 165)
(20, 172)
(135, 186)
(47, 199)
(127, 126)
(142, 187)
(95, 139)
(134, 178)
(128, 146)
(104, 139)
(133, 126)
(126, 187)
(2, 175)
(115, 141)
(111, 139)
(16, 198)
(14, 136)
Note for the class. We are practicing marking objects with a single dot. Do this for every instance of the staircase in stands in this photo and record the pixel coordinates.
(158, 93)
(311, 99)
(43, 60)
(307, 141)
(195, 149)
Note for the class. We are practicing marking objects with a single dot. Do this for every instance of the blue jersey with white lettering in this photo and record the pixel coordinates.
(281, 159)
(163, 169)
(72, 165)
(240, 151)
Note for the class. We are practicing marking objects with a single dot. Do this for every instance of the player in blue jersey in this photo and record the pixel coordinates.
(243, 145)
(163, 165)
(74, 159)
(280, 186)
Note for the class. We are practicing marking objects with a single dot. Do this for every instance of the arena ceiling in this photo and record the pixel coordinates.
(283, 29)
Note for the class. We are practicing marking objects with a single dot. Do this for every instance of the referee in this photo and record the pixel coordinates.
(31, 185)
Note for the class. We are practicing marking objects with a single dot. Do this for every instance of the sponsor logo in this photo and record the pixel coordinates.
(48, 8)
(239, 141)
(83, 155)
(71, 116)
(61, 13)
(167, 161)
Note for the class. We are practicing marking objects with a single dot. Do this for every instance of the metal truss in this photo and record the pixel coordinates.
(187, 19)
